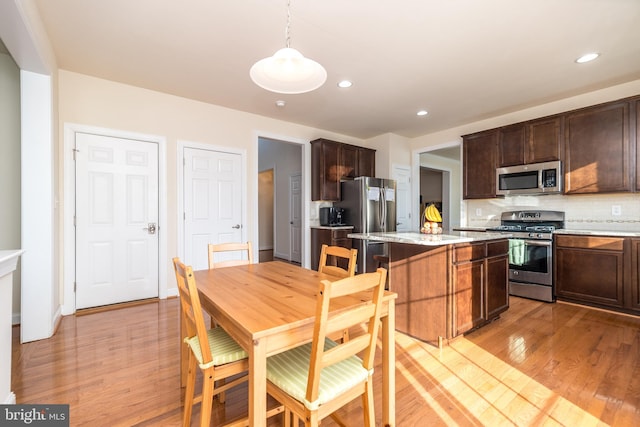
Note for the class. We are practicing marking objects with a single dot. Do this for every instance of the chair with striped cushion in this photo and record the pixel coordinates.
(212, 350)
(332, 258)
(312, 381)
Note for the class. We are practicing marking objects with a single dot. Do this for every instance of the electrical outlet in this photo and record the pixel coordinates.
(478, 211)
(616, 210)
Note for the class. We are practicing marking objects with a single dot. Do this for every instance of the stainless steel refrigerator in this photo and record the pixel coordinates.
(370, 206)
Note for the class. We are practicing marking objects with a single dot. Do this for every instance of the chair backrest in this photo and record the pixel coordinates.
(337, 252)
(191, 308)
(230, 247)
(364, 310)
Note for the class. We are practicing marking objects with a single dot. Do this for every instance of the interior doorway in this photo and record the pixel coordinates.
(440, 183)
(279, 211)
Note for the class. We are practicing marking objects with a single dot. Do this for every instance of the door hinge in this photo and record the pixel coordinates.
(74, 220)
(75, 284)
(75, 150)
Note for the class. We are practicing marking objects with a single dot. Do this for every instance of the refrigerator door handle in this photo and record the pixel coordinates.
(383, 209)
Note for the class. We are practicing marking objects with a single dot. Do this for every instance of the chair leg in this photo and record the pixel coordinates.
(207, 398)
(221, 396)
(189, 390)
(367, 405)
(312, 419)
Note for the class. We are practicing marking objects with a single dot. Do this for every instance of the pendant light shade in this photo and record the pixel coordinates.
(288, 71)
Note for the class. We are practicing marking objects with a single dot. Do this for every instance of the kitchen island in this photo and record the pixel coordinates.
(447, 284)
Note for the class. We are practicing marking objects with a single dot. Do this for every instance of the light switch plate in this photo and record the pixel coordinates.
(616, 210)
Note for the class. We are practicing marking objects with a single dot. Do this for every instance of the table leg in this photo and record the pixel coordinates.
(389, 367)
(258, 386)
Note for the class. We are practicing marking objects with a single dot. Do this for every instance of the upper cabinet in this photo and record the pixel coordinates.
(479, 161)
(598, 146)
(637, 143)
(598, 157)
(333, 161)
(535, 141)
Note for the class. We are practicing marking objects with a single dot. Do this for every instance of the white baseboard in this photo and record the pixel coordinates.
(15, 319)
(10, 400)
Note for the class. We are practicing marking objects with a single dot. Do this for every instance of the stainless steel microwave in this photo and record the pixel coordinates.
(535, 178)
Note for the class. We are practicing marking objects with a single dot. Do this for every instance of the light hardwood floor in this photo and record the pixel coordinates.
(539, 364)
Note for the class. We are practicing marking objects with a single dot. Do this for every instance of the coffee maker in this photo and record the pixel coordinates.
(331, 217)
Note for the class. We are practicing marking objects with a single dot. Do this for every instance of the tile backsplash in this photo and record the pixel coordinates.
(607, 212)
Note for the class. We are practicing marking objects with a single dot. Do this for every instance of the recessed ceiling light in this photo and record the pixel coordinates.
(587, 57)
(422, 113)
(280, 103)
(345, 84)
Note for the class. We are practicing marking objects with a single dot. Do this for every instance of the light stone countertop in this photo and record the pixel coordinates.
(414, 238)
(335, 227)
(599, 233)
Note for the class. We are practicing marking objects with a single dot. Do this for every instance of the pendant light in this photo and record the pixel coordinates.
(288, 71)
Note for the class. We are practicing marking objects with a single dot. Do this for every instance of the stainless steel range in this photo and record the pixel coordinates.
(531, 251)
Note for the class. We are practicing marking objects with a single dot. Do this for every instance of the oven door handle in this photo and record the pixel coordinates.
(538, 243)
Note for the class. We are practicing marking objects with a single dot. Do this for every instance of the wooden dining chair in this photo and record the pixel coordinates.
(221, 248)
(337, 253)
(212, 350)
(312, 381)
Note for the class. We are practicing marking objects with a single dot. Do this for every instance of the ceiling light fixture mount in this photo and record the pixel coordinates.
(288, 71)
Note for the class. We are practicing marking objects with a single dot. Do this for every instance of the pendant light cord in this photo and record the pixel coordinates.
(287, 35)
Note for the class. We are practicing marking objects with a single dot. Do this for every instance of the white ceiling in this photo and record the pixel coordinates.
(462, 60)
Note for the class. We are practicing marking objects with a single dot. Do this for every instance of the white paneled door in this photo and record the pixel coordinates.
(295, 215)
(212, 203)
(402, 176)
(116, 220)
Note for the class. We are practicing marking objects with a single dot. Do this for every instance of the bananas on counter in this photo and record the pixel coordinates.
(432, 220)
(432, 214)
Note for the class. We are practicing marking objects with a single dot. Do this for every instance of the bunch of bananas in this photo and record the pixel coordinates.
(432, 214)
(432, 220)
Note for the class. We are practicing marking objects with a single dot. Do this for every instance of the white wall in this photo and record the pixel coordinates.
(10, 167)
(101, 103)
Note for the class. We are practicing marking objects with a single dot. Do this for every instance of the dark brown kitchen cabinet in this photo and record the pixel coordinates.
(637, 144)
(535, 141)
(511, 145)
(634, 279)
(479, 153)
(598, 150)
(480, 283)
(330, 237)
(333, 161)
(590, 270)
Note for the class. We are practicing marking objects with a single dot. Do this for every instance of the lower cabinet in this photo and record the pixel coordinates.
(445, 291)
(480, 283)
(331, 237)
(634, 279)
(590, 270)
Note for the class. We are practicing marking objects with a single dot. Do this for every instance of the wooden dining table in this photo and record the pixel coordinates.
(269, 308)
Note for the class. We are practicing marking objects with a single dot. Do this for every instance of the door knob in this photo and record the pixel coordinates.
(237, 226)
(151, 228)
